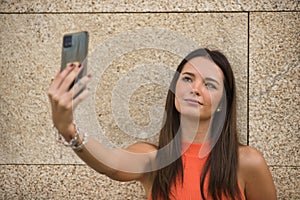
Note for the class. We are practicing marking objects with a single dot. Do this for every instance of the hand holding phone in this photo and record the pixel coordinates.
(63, 100)
(75, 49)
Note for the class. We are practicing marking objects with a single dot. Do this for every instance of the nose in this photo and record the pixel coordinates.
(196, 88)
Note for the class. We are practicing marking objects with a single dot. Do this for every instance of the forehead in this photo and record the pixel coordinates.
(203, 67)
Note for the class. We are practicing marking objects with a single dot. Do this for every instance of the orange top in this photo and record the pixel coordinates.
(193, 166)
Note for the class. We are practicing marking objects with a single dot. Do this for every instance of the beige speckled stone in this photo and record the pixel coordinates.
(81, 182)
(63, 182)
(146, 6)
(30, 56)
(30, 53)
(274, 86)
(287, 182)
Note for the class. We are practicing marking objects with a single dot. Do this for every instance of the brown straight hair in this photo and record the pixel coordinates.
(222, 162)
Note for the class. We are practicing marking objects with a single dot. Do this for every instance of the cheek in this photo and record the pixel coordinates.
(178, 95)
(212, 98)
(177, 105)
(216, 100)
(181, 91)
(207, 97)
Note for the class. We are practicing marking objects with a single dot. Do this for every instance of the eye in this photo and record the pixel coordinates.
(210, 85)
(187, 79)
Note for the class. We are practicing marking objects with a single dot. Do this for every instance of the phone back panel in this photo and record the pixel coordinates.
(75, 48)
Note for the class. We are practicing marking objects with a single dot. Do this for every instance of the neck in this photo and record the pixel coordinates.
(193, 130)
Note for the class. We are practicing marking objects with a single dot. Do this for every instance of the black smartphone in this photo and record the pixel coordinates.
(75, 49)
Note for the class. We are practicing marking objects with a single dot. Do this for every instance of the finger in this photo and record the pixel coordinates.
(77, 88)
(83, 95)
(49, 95)
(65, 85)
(52, 91)
(57, 81)
(60, 76)
(80, 85)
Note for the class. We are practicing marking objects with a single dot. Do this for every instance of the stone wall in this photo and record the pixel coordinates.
(260, 38)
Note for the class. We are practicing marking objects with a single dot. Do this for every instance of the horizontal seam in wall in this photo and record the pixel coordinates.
(152, 12)
(48, 164)
(286, 166)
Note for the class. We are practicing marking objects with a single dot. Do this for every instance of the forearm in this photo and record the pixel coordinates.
(118, 164)
(93, 153)
(98, 157)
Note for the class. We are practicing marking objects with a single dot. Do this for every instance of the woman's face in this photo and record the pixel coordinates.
(199, 89)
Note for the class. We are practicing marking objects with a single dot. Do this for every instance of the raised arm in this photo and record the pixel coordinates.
(127, 164)
(119, 164)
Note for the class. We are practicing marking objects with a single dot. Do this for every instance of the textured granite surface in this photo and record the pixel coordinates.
(31, 56)
(286, 181)
(33, 166)
(147, 6)
(63, 182)
(81, 182)
(274, 86)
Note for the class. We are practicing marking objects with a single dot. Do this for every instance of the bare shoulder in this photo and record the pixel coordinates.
(250, 158)
(146, 179)
(255, 174)
(142, 147)
(147, 149)
(140, 158)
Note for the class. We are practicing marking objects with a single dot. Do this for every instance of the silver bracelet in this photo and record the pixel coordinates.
(84, 141)
(74, 141)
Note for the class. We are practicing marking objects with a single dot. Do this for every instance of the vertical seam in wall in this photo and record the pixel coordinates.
(248, 77)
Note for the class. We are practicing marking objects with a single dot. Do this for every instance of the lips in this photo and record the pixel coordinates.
(193, 101)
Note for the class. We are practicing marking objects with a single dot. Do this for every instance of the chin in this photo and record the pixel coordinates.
(190, 114)
(195, 115)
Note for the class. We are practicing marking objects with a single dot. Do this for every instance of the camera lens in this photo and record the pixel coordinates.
(67, 41)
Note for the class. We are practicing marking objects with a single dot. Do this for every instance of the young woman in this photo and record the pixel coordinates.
(198, 154)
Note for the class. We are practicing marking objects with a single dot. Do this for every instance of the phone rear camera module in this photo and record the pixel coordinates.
(67, 41)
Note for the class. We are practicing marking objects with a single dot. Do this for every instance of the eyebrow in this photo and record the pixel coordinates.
(207, 78)
(211, 79)
(189, 73)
